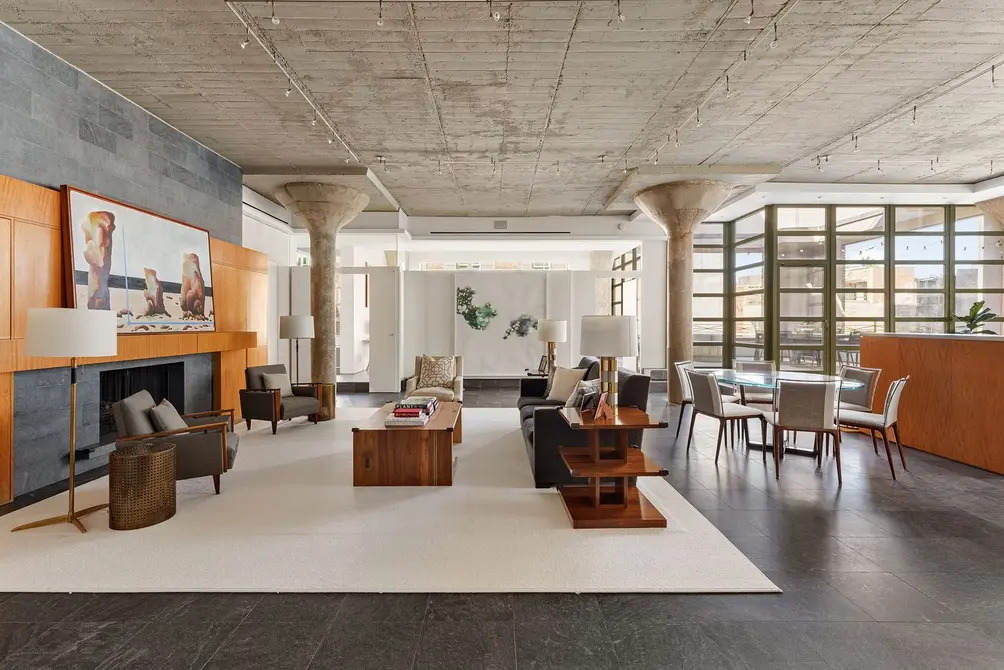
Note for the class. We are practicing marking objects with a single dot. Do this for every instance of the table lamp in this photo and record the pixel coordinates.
(552, 332)
(609, 337)
(55, 332)
(296, 327)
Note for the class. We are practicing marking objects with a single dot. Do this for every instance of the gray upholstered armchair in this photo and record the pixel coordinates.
(453, 392)
(207, 447)
(258, 402)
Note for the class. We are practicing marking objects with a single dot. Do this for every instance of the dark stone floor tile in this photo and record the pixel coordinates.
(467, 645)
(383, 607)
(796, 523)
(935, 523)
(578, 608)
(814, 554)
(809, 597)
(675, 609)
(13, 636)
(886, 597)
(914, 646)
(267, 645)
(72, 645)
(644, 645)
(42, 607)
(186, 635)
(762, 646)
(928, 554)
(294, 607)
(564, 645)
(368, 646)
(467, 606)
(971, 596)
(127, 607)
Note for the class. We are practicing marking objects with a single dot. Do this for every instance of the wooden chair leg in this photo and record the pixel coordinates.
(248, 422)
(763, 433)
(777, 453)
(216, 483)
(690, 438)
(274, 424)
(314, 417)
(874, 443)
(836, 456)
(899, 445)
(721, 433)
(888, 454)
(679, 424)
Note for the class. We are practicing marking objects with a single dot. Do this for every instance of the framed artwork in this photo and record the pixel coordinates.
(154, 272)
(542, 366)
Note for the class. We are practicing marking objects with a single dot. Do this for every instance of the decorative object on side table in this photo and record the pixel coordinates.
(611, 499)
(977, 317)
(552, 332)
(603, 409)
(141, 485)
(296, 327)
(55, 332)
(609, 338)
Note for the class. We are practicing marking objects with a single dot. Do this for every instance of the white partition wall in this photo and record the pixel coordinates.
(385, 329)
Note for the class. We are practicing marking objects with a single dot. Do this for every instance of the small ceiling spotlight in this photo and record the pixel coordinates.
(655, 161)
(991, 166)
(749, 19)
(698, 117)
(557, 167)
(493, 15)
(603, 159)
(440, 169)
(932, 166)
(728, 88)
(913, 122)
(993, 76)
(773, 42)
(819, 165)
(331, 140)
(247, 40)
(620, 15)
(380, 13)
(493, 166)
(676, 143)
(625, 170)
(275, 19)
(855, 149)
(313, 121)
(382, 160)
(878, 165)
(289, 89)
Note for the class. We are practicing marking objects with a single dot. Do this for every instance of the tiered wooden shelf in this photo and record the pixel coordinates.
(610, 499)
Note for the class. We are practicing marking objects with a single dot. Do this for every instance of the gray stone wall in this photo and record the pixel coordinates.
(42, 415)
(60, 126)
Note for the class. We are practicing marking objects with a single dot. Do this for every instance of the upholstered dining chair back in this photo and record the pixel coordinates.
(863, 396)
(681, 372)
(707, 397)
(808, 406)
(753, 366)
(892, 398)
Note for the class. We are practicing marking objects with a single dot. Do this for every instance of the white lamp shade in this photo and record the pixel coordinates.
(552, 331)
(296, 327)
(57, 332)
(609, 336)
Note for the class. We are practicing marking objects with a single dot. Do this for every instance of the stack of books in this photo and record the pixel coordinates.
(413, 411)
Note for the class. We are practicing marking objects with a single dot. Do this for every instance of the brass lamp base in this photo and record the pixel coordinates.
(550, 357)
(608, 380)
(72, 517)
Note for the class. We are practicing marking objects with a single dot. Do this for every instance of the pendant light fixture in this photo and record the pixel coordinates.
(380, 13)
(275, 19)
(749, 19)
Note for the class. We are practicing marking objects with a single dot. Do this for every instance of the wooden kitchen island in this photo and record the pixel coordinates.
(953, 405)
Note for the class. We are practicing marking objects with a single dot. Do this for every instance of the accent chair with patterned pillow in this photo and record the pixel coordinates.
(439, 376)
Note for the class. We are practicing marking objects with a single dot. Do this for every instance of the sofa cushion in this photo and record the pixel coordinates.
(527, 428)
(437, 371)
(165, 417)
(278, 380)
(297, 405)
(440, 392)
(528, 401)
(563, 383)
(135, 414)
(233, 441)
(583, 389)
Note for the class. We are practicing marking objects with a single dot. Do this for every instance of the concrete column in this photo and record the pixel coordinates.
(679, 207)
(324, 209)
(993, 209)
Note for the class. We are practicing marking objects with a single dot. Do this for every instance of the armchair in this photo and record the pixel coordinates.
(207, 447)
(453, 392)
(258, 402)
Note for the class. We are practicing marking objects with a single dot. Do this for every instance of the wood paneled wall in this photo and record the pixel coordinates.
(955, 397)
(31, 275)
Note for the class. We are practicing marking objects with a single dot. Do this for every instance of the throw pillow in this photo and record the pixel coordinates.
(165, 417)
(277, 380)
(437, 371)
(564, 381)
(581, 389)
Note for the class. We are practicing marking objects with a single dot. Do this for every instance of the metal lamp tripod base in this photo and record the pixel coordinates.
(71, 516)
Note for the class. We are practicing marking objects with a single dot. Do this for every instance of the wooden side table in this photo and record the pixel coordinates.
(142, 490)
(617, 505)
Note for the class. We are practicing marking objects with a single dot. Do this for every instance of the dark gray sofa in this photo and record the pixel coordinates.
(544, 430)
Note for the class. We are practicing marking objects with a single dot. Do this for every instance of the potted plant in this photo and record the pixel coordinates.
(978, 316)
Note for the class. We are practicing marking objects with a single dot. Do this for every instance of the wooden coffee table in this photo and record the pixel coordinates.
(609, 505)
(396, 456)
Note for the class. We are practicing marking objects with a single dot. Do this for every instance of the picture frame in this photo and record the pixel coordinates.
(153, 271)
(542, 367)
(589, 402)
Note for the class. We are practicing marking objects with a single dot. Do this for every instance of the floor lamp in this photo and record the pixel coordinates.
(609, 338)
(296, 327)
(70, 333)
(552, 332)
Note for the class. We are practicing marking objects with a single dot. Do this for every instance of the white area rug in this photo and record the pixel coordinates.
(288, 519)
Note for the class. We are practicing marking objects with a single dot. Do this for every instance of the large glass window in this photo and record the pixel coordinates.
(709, 295)
(919, 263)
(859, 303)
(978, 265)
(749, 286)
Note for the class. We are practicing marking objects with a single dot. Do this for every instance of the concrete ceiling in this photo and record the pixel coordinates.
(554, 85)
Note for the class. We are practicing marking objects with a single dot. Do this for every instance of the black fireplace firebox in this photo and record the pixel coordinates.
(162, 381)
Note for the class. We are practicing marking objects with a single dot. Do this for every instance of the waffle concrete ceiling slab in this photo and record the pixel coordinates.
(441, 89)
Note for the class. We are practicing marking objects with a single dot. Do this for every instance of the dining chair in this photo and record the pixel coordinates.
(861, 399)
(809, 407)
(751, 395)
(881, 423)
(708, 401)
(688, 390)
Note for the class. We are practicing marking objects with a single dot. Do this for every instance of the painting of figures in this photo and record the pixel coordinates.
(153, 272)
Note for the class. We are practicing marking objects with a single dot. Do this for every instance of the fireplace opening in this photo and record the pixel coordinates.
(161, 381)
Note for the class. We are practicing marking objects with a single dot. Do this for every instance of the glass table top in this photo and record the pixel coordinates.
(768, 380)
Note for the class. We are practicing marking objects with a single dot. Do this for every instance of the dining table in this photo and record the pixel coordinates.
(763, 380)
